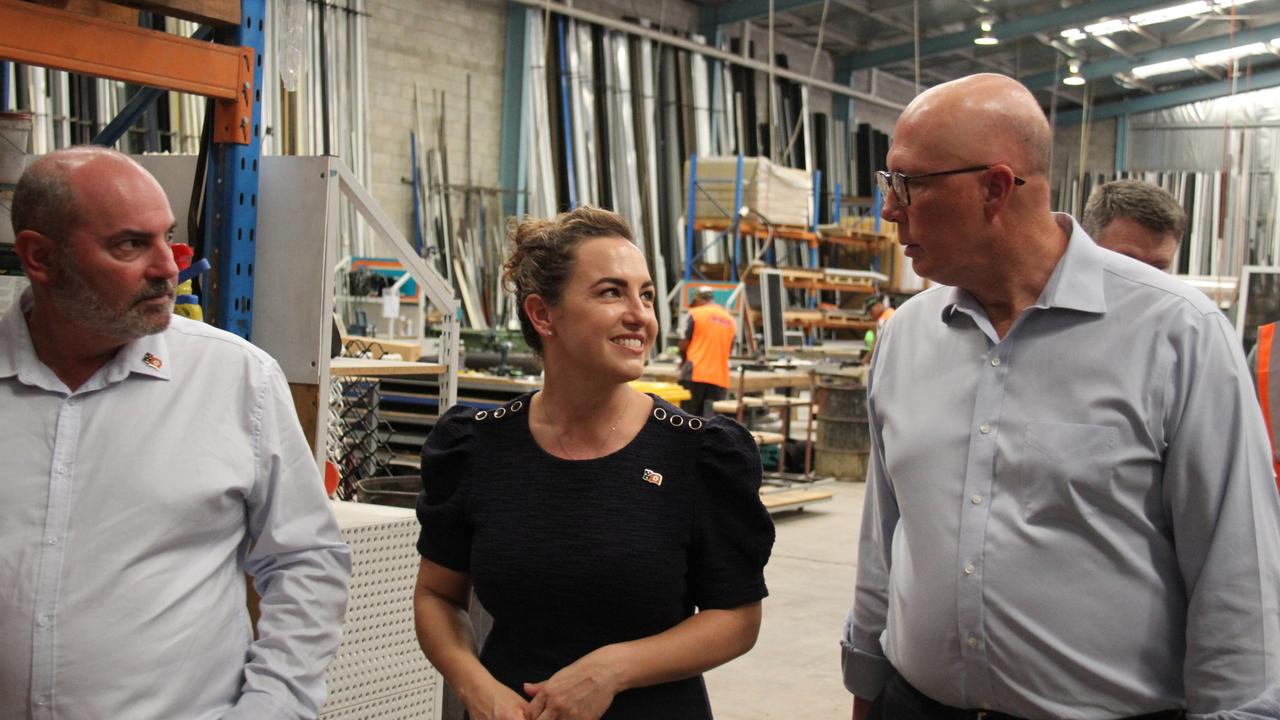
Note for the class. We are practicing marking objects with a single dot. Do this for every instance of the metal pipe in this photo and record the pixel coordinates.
(710, 52)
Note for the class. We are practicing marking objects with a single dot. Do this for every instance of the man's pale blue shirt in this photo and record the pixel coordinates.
(1078, 520)
(132, 509)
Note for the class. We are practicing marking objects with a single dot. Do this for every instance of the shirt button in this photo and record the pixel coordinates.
(972, 641)
(969, 569)
(62, 469)
(52, 541)
(995, 362)
(984, 428)
(43, 620)
(976, 499)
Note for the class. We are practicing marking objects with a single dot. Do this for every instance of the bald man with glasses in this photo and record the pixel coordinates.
(1070, 511)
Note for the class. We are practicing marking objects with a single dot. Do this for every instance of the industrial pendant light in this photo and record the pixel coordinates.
(986, 38)
(1073, 77)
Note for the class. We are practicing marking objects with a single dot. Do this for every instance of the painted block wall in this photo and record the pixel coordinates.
(438, 43)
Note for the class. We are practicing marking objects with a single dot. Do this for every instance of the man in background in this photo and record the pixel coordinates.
(880, 311)
(708, 340)
(150, 461)
(1137, 219)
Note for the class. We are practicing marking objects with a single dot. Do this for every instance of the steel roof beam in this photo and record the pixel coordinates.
(1173, 98)
(1006, 30)
(1107, 68)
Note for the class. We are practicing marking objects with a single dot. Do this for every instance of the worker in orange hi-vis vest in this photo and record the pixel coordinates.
(1264, 361)
(708, 339)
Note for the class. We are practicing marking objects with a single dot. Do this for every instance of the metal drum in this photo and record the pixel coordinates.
(844, 438)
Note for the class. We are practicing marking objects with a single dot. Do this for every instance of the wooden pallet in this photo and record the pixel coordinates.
(767, 438)
(792, 499)
(728, 407)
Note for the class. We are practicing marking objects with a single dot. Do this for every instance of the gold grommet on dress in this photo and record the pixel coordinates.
(660, 413)
(676, 420)
(695, 420)
(517, 406)
(499, 413)
(482, 414)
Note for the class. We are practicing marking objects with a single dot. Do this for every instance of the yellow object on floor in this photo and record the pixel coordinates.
(671, 392)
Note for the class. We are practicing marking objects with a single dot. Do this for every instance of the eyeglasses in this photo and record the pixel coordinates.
(897, 182)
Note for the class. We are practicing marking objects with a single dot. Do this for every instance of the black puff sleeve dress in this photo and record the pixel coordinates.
(572, 555)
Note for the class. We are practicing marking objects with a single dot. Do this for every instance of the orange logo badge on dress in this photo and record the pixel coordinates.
(155, 362)
(652, 477)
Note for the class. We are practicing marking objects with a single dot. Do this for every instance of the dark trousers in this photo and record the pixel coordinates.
(703, 393)
(900, 701)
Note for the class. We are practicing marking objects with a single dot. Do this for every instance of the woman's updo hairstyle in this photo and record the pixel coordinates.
(542, 255)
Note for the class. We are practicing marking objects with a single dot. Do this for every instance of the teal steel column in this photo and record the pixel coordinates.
(1122, 143)
(511, 152)
(842, 106)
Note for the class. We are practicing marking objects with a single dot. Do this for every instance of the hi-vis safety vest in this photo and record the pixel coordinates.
(713, 332)
(1268, 361)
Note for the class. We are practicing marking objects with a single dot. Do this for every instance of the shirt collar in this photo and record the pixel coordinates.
(1075, 284)
(147, 356)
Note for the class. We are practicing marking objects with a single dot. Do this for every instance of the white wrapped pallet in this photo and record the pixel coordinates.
(782, 195)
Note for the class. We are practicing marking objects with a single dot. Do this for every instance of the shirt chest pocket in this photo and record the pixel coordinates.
(1064, 471)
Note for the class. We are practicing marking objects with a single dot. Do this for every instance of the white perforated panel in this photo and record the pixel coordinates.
(415, 703)
(379, 670)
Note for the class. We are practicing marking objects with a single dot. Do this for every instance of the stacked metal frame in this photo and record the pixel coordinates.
(71, 109)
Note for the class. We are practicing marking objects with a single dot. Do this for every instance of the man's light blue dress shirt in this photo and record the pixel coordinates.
(132, 509)
(1078, 520)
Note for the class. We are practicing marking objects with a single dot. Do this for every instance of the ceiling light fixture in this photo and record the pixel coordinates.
(1106, 27)
(1177, 12)
(1217, 57)
(986, 38)
(1073, 77)
(1224, 57)
(1162, 68)
(1151, 17)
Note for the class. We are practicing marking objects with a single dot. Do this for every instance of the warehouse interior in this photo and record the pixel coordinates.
(346, 172)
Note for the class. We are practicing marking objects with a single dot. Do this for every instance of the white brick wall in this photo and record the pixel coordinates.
(435, 43)
(438, 42)
(1100, 157)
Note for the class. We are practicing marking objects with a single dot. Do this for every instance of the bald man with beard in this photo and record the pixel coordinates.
(1070, 510)
(148, 462)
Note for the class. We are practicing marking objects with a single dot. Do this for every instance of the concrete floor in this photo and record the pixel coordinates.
(793, 673)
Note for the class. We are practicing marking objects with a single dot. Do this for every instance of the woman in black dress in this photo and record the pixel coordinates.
(618, 542)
